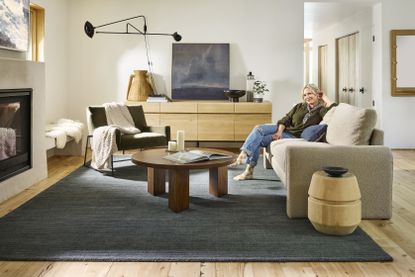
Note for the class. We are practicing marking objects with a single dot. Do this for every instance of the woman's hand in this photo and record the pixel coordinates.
(278, 134)
(321, 95)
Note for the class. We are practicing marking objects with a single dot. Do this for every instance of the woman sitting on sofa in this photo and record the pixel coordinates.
(307, 113)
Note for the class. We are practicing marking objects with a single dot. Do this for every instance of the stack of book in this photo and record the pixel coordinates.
(158, 99)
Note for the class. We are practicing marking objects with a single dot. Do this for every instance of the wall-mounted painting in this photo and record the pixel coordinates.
(200, 71)
(14, 24)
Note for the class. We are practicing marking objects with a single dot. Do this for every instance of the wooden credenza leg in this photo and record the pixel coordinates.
(156, 179)
(178, 190)
(218, 181)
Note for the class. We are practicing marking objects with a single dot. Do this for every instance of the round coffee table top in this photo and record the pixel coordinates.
(154, 158)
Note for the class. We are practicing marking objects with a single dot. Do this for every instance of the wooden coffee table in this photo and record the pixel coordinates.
(179, 175)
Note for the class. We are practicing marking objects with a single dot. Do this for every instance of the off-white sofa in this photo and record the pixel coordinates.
(353, 143)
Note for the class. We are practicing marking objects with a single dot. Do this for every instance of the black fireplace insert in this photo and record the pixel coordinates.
(15, 131)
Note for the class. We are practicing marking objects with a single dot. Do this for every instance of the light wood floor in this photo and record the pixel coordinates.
(396, 236)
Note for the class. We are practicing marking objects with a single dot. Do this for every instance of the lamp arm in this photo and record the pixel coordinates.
(135, 28)
(158, 34)
(120, 33)
(122, 20)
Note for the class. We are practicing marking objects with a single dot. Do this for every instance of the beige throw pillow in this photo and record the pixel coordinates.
(327, 117)
(350, 125)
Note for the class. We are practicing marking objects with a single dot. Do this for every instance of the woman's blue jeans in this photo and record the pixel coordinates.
(260, 136)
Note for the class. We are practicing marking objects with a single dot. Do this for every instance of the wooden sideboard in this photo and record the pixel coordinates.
(208, 120)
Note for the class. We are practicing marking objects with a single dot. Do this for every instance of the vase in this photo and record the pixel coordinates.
(257, 98)
(139, 87)
(250, 79)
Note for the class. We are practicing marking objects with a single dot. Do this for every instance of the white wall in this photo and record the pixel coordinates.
(377, 62)
(56, 58)
(265, 38)
(398, 112)
(360, 22)
(23, 74)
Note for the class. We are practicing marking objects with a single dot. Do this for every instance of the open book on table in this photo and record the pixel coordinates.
(195, 156)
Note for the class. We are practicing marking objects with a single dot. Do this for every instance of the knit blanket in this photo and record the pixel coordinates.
(104, 138)
(63, 129)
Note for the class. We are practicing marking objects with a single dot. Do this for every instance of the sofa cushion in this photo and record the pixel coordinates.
(278, 150)
(350, 125)
(314, 132)
(327, 117)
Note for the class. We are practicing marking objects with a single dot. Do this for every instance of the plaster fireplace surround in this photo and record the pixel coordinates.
(17, 74)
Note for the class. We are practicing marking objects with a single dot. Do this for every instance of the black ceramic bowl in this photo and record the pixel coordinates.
(234, 94)
(335, 171)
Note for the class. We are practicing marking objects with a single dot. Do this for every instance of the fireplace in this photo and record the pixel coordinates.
(15, 131)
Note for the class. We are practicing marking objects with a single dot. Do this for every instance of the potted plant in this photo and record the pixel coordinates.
(259, 89)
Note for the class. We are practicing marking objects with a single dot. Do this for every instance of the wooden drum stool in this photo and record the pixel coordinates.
(334, 205)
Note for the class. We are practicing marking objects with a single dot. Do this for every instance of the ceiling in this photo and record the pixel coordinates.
(319, 15)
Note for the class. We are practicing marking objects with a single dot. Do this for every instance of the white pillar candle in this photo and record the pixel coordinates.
(172, 146)
(180, 140)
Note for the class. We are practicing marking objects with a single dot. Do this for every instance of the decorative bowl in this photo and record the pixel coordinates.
(234, 94)
(335, 171)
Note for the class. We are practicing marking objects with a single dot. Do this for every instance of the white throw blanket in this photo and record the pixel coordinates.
(7, 143)
(104, 139)
(64, 128)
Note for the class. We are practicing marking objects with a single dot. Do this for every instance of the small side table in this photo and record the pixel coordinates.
(334, 205)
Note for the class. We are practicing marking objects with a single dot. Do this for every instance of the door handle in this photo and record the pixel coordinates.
(351, 90)
(344, 89)
(362, 90)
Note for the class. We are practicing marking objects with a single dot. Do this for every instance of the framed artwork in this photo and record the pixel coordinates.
(14, 24)
(200, 71)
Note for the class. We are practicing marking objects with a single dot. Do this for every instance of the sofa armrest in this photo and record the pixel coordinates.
(372, 165)
(377, 137)
(159, 129)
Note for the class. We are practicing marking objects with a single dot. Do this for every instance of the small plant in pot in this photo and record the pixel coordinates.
(259, 90)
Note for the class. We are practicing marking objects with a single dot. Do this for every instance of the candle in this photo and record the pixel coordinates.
(172, 146)
(180, 140)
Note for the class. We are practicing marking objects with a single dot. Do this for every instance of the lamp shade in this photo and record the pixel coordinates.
(177, 37)
(89, 29)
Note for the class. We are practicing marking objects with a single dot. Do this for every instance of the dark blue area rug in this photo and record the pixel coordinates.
(88, 216)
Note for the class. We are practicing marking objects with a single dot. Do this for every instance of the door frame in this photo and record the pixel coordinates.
(319, 69)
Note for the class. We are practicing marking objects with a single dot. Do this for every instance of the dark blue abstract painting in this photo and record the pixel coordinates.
(200, 71)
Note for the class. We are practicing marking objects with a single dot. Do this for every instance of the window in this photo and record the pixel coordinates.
(37, 34)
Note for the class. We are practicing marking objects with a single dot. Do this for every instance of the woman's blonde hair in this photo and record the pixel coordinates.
(313, 87)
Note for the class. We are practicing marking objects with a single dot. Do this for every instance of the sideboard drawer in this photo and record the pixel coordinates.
(244, 123)
(215, 107)
(178, 107)
(215, 127)
(186, 122)
(264, 107)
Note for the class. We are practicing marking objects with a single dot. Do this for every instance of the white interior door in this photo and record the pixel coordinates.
(343, 69)
(348, 69)
(353, 70)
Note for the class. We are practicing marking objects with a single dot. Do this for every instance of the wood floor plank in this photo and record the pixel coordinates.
(263, 270)
(395, 236)
(229, 269)
(145, 269)
(184, 269)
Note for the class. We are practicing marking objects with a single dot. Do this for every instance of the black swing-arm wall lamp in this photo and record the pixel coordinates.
(131, 30)
(90, 29)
